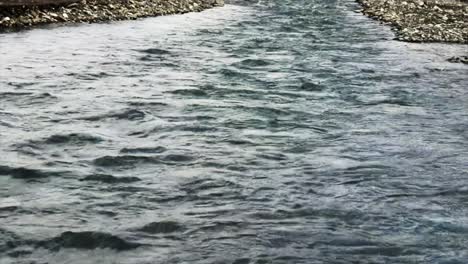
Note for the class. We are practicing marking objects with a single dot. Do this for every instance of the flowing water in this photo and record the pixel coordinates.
(259, 132)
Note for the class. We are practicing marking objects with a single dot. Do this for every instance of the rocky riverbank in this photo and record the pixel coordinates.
(13, 18)
(422, 20)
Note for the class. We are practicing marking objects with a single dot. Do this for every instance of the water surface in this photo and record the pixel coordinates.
(259, 132)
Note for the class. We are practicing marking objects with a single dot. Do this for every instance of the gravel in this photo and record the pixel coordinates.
(15, 18)
(422, 20)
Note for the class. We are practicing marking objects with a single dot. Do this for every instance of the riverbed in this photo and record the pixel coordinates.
(258, 132)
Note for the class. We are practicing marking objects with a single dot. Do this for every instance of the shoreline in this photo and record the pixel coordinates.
(422, 20)
(92, 11)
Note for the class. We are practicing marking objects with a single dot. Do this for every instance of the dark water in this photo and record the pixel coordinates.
(270, 132)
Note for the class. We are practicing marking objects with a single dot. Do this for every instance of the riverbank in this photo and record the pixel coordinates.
(13, 18)
(422, 20)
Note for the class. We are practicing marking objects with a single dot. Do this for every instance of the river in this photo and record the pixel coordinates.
(276, 131)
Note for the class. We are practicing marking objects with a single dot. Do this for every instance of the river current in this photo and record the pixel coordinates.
(276, 131)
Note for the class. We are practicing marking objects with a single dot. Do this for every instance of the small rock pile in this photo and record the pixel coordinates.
(462, 59)
(13, 18)
(423, 20)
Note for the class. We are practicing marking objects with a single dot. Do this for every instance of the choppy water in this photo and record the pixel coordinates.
(270, 132)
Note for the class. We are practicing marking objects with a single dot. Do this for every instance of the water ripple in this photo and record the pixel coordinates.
(260, 132)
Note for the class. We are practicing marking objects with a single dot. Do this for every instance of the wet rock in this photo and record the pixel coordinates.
(241, 261)
(462, 59)
(8, 208)
(87, 240)
(131, 114)
(313, 87)
(110, 179)
(19, 253)
(8, 240)
(255, 62)
(155, 51)
(22, 173)
(190, 92)
(178, 158)
(161, 227)
(72, 138)
(157, 149)
(124, 160)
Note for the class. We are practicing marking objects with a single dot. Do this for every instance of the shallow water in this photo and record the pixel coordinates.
(259, 132)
